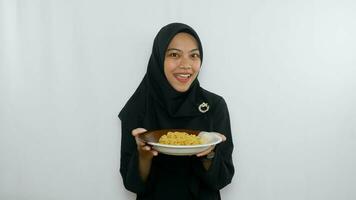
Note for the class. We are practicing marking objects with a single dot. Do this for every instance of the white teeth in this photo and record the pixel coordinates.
(184, 75)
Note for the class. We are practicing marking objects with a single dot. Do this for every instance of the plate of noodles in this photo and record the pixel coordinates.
(180, 142)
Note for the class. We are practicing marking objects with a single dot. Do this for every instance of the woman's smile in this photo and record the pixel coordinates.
(183, 78)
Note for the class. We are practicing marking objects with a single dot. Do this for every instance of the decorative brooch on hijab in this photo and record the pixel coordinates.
(203, 107)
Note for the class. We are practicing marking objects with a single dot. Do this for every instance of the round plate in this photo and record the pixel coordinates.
(208, 139)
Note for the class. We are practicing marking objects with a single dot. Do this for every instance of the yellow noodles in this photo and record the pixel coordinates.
(179, 138)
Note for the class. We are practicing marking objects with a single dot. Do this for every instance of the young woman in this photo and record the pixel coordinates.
(170, 97)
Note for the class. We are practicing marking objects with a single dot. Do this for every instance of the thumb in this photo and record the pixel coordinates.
(138, 131)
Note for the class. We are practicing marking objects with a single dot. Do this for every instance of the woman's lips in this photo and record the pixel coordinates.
(183, 78)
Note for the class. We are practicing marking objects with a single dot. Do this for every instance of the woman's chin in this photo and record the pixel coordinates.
(181, 88)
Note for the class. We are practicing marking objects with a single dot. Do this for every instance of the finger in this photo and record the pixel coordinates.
(203, 153)
(139, 141)
(138, 131)
(206, 152)
(154, 153)
(146, 148)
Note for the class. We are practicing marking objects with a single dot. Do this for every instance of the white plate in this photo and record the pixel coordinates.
(208, 139)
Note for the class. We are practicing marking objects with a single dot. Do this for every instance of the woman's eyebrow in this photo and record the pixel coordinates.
(174, 49)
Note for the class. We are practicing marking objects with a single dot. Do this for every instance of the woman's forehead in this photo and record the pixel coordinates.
(183, 41)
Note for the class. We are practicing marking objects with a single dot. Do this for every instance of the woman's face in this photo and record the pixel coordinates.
(182, 61)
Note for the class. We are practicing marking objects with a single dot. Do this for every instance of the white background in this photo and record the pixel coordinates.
(286, 69)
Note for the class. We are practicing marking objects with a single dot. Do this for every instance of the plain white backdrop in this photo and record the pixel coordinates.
(286, 69)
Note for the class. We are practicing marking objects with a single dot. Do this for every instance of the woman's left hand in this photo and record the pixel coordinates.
(206, 152)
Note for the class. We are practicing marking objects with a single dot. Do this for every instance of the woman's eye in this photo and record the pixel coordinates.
(174, 55)
(195, 55)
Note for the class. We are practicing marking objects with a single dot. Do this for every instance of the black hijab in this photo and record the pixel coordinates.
(155, 94)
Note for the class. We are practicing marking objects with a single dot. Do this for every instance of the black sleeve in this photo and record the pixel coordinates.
(129, 167)
(222, 169)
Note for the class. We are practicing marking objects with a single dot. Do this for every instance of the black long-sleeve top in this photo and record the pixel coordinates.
(180, 177)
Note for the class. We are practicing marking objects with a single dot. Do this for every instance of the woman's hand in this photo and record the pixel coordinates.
(145, 154)
(207, 162)
(206, 152)
(145, 151)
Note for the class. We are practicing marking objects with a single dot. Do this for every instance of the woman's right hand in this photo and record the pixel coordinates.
(145, 151)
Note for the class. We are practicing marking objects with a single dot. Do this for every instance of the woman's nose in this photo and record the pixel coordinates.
(185, 66)
(185, 61)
